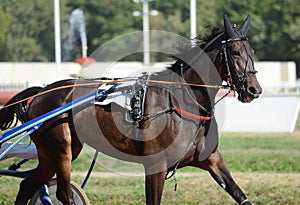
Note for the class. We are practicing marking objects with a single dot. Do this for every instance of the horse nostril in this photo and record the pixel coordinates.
(253, 91)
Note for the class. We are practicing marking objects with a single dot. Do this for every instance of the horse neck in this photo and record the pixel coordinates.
(208, 69)
(214, 51)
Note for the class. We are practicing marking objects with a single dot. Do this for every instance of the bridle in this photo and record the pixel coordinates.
(240, 78)
(231, 70)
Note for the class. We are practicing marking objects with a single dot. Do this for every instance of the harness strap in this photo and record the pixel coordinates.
(173, 174)
(179, 111)
(153, 115)
(229, 77)
(191, 115)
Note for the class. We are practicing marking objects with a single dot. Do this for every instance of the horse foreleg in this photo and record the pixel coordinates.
(216, 166)
(29, 186)
(63, 173)
(63, 159)
(154, 187)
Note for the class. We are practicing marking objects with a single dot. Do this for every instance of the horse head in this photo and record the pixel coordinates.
(241, 73)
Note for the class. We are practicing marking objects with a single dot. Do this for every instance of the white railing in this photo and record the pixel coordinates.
(13, 86)
(282, 89)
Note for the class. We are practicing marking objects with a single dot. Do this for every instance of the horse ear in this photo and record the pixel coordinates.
(228, 28)
(244, 27)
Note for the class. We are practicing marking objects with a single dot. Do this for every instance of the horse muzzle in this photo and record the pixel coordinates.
(249, 94)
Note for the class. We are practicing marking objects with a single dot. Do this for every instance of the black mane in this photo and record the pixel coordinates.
(207, 35)
(187, 49)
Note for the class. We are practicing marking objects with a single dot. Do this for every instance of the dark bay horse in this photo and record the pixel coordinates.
(171, 133)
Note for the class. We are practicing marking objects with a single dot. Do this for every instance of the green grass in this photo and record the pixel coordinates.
(261, 188)
(266, 166)
(199, 189)
(273, 153)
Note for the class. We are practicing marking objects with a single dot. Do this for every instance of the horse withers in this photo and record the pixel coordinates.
(173, 127)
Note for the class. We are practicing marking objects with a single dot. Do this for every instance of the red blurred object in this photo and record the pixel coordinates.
(85, 60)
(5, 96)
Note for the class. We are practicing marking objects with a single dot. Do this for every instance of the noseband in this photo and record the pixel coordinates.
(241, 78)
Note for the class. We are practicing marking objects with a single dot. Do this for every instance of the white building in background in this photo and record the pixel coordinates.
(276, 77)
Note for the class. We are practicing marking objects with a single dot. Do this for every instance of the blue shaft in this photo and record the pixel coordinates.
(47, 116)
(19, 140)
(44, 195)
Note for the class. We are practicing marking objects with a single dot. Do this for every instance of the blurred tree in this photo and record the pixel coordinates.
(30, 33)
(282, 32)
(107, 19)
(275, 27)
(27, 32)
(5, 19)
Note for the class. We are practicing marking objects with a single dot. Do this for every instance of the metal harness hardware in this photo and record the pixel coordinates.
(103, 91)
(135, 112)
(136, 93)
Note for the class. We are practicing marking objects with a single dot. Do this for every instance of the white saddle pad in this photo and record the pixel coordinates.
(118, 97)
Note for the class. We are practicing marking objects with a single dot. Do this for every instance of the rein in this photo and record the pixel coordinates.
(64, 87)
(112, 82)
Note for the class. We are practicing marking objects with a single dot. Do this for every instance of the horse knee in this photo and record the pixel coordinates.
(216, 162)
(216, 166)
